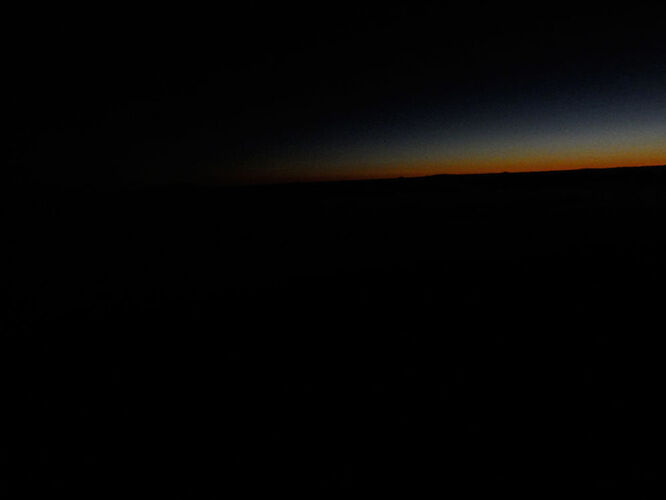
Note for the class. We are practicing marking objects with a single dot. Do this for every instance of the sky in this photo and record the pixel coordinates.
(251, 94)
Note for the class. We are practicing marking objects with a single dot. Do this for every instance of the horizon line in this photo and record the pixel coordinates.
(419, 176)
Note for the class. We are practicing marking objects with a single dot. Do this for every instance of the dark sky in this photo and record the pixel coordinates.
(102, 94)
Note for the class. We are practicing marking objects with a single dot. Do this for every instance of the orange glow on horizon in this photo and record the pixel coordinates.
(481, 162)
(389, 172)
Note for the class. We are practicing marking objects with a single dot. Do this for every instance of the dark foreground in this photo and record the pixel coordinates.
(467, 335)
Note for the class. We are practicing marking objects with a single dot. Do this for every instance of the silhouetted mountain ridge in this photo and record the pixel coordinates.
(489, 330)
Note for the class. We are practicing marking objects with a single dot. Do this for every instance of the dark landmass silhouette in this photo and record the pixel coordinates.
(479, 333)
